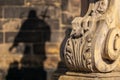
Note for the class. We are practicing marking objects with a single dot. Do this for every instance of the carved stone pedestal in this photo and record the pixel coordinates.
(90, 76)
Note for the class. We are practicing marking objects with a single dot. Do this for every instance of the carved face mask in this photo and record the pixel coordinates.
(102, 6)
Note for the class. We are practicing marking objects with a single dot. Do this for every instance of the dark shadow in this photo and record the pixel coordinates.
(30, 41)
(62, 69)
(85, 6)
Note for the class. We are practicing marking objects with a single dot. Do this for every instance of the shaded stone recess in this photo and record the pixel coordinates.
(1, 37)
(0, 12)
(31, 32)
(0, 25)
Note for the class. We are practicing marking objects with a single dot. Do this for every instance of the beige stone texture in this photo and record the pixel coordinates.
(90, 76)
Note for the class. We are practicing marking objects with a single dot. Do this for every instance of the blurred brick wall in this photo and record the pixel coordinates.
(13, 13)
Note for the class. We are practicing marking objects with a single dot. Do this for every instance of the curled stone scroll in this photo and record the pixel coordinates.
(94, 43)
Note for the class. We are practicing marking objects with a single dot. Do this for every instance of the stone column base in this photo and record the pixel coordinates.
(90, 76)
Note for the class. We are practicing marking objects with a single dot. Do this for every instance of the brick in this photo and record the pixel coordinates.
(10, 36)
(1, 37)
(23, 12)
(76, 3)
(0, 12)
(32, 60)
(69, 4)
(52, 1)
(11, 24)
(67, 27)
(15, 12)
(55, 36)
(72, 7)
(4, 49)
(55, 3)
(24, 60)
(35, 1)
(54, 24)
(64, 4)
(1, 27)
(39, 49)
(53, 12)
(66, 19)
(20, 12)
(13, 2)
(51, 62)
(52, 48)
(31, 31)
(27, 36)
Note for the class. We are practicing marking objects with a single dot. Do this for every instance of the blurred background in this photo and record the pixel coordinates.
(31, 33)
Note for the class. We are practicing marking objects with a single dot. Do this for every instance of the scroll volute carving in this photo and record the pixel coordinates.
(93, 42)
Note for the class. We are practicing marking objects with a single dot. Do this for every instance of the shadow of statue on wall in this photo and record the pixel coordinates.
(30, 41)
(62, 69)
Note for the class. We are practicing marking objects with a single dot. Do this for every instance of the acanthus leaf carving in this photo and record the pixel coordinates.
(88, 48)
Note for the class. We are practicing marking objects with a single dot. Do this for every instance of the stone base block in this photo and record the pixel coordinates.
(90, 76)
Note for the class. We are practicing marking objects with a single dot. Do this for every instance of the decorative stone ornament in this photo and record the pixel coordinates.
(94, 43)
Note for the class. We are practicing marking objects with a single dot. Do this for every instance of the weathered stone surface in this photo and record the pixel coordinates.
(90, 76)
(93, 44)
